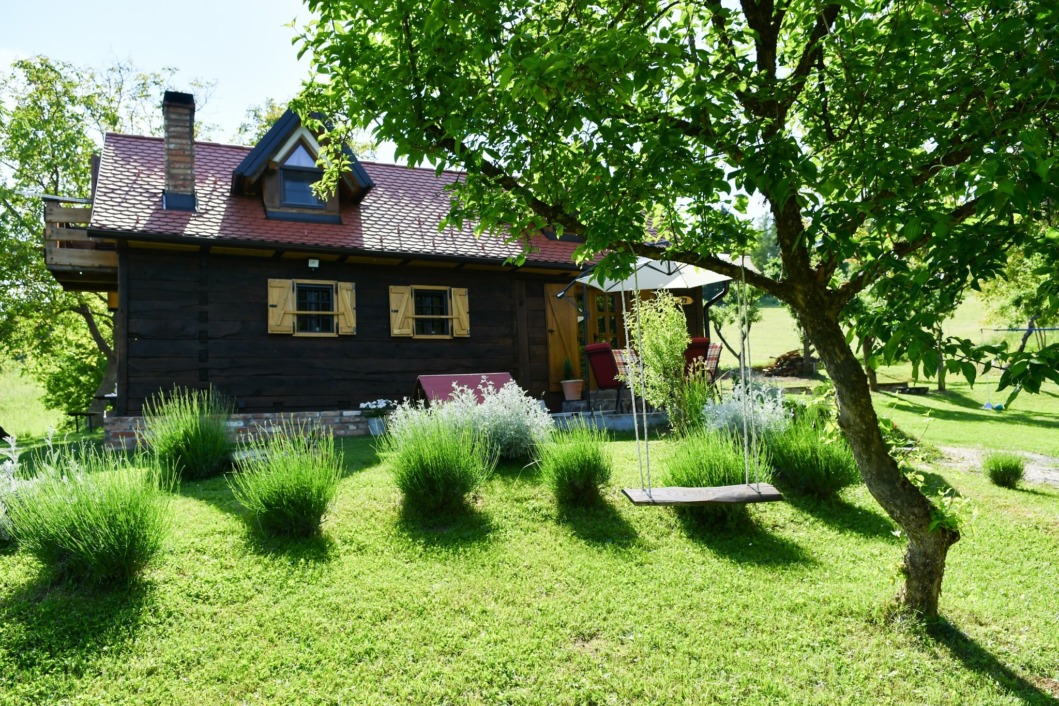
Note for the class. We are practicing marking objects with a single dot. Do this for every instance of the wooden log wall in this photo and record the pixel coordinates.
(197, 319)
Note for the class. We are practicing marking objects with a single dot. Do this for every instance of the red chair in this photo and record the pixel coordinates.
(605, 369)
(708, 353)
(696, 350)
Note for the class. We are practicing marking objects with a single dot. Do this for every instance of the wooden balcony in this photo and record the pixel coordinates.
(78, 262)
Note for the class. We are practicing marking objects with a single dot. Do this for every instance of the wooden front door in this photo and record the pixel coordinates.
(561, 319)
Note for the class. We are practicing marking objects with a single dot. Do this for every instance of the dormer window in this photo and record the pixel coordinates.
(298, 173)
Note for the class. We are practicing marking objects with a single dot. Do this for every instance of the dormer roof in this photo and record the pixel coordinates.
(278, 140)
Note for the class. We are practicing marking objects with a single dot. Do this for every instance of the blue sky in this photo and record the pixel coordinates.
(243, 45)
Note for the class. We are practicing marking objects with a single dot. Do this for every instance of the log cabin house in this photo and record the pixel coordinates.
(223, 268)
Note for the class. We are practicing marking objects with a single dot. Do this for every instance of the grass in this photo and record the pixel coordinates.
(288, 481)
(575, 463)
(952, 418)
(808, 462)
(21, 411)
(187, 431)
(92, 516)
(519, 602)
(1004, 469)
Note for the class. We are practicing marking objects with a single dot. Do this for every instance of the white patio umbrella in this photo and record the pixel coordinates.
(658, 274)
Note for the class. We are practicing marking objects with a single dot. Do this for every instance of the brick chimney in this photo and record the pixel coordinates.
(178, 111)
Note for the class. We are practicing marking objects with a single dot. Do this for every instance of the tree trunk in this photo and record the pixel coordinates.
(941, 361)
(924, 564)
(866, 350)
(106, 386)
(1029, 330)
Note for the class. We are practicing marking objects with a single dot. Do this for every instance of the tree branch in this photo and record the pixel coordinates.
(83, 310)
(870, 274)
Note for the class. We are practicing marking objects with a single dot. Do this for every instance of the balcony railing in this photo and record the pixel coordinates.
(75, 260)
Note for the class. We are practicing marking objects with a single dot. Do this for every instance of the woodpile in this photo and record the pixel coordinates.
(790, 364)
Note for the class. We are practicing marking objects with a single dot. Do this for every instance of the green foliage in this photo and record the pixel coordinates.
(811, 462)
(70, 373)
(694, 393)
(575, 463)
(187, 431)
(288, 479)
(1019, 293)
(659, 332)
(436, 458)
(1004, 468)
(92, 516)
(53, 116)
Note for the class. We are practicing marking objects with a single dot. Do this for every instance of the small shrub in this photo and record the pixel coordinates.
(658, 328)
(575, 463)
(10, 484)
(810, 461)
(765, 404)
(288, 480)
(1004, 469)
(187, 431)
(508, 419)
(708, 458)
(692, 394)
(437, 457)
(92, 516)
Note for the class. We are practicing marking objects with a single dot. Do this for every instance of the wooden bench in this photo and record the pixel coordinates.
(89, 417)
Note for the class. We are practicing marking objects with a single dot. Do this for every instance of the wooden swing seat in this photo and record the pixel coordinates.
(719, 495)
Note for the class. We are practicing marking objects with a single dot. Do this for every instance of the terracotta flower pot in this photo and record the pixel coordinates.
(572, 389)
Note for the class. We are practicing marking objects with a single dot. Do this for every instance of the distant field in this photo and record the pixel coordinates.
(955, 418)
(21, 411)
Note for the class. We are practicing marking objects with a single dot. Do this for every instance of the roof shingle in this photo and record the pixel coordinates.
(399, 216)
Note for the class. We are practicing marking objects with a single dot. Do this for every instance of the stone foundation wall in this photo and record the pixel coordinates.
(120, 432)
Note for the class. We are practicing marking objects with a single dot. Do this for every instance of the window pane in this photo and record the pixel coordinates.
(300, 158)
(297, 187)
(432, 303)
(315, 297)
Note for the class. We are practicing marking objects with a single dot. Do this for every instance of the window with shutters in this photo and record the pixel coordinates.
(311, 307)
(429, 312)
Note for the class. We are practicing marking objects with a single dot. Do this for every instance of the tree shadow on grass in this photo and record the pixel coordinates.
(976, 658)
(316, 549)
(596, 521)
(843, 516)
(212, 491)
(52, 623)
(731, 531)
(964, 408)
(457, 527)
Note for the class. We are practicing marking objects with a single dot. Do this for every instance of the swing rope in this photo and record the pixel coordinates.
(746, 493)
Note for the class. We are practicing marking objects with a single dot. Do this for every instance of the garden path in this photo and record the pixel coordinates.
(1039, 468)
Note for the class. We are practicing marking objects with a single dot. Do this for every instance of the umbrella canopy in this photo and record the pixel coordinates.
(657, 274)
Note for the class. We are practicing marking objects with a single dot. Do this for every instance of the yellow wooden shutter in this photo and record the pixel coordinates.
(280, 306)
(401, 321)
(347, 309)
(461, 311)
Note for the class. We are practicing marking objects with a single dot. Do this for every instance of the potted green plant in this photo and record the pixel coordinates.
(572, 387)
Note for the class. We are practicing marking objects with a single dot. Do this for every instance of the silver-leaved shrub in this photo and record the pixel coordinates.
(762, 406)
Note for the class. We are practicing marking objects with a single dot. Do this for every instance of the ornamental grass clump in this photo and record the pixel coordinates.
(709, 458)
(187, 431)
(1004, 468)
(288, 479)
(437, 457)
(93, 516)
(812, 461)
(575, 463)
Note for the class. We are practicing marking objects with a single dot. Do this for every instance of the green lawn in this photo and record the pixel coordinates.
(522, 603)
(953, 418)
(21, 411)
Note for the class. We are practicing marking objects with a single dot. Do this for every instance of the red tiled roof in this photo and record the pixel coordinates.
(399, 216)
